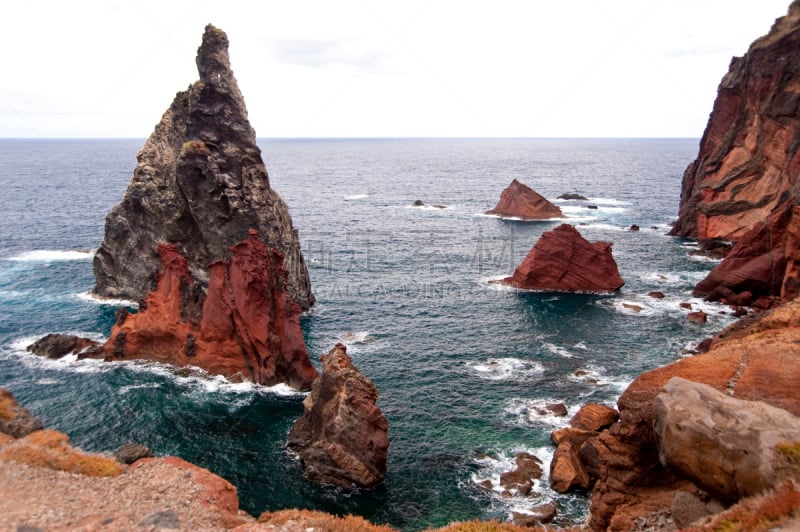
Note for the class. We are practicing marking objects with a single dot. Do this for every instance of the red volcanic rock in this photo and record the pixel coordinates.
(748, 160)
(764, 262)
(562, 260)
(754, 360)
(594, 417)
(697, 316)
(521, 201)
(342, 437)
(246, 326)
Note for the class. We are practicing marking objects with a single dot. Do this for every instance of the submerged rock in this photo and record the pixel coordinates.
(562, 260)
(244, 326)
(521, 201)
(749, 160)
(57, 345)
(573, 196)
(200, 184)
(342, 437)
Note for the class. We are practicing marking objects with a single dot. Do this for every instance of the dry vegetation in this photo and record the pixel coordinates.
(778, 510)
(51, 449)
(322, 521)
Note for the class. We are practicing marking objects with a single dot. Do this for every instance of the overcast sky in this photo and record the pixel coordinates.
(583, 68)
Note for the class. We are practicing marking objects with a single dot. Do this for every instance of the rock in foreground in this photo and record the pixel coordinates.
(521, 201)
(200, 184)
(15, 420)
(749, 159)
(728, 447)
(562, 260)
(342, 437)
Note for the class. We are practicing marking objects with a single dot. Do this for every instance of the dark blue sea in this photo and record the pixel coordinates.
(463, 366)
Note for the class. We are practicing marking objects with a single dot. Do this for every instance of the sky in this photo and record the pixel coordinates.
(434, 68)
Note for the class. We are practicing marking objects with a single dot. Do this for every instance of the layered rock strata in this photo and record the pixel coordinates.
(520, 201)
(748, 160)
(242, 326)
(562, 260)
(342, 438)
(200, 184)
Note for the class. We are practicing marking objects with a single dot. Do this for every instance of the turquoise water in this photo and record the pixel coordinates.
(461, 364)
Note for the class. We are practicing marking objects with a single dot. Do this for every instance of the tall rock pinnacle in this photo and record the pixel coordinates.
(200, 184)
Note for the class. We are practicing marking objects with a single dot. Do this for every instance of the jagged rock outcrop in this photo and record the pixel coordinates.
(244, 326)
(748, 160)
(567, 472)
(764, 263)
(200, 184)
(342, 437)
(755, 360)
(58, 345)
(726, 446)
(521, 201)
(562, 260)
(15, 420)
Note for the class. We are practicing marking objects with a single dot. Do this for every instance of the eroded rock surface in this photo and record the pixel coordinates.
(521, 201)
(748, 160)
(562, 260)
(342, 437)
(245, 327)
(724, 445)
(200, 185)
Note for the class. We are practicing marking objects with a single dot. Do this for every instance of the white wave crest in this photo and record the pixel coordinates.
(91, 297)
(528, 412)
(50, 255)
(508, 368)
(356, 197)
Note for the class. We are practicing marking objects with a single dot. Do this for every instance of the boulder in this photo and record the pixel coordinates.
(594, 417)
(727, 446)
(567, 472)
(130, 452)
(536, 516)
(342, 437)
(697, 316)
(58, 345)
(748, 159)
(656, 294)
(562, 260)
(521, 201)
(16, 421)
(573, 196)
(200, 184)
(520, 480)
(245, 327)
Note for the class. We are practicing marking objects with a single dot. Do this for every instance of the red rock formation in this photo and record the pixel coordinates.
(246, 326)
(342, 437)
(764, 262)
(749, 160)
(562, 260)
(757, 360)
(521, 201)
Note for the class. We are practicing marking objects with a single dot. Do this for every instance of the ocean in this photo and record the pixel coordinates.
(463, 366)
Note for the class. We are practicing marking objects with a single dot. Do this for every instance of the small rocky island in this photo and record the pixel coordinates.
(521, 201)
(562, 260)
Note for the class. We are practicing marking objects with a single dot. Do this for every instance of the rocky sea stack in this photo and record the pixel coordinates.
(521, 201)
(205, 245)
(562, 260)
(200, 184)
(342, 437)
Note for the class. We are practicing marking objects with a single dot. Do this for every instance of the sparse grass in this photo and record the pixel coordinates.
(51, 449)
(322, 521)
(791, 451)
(7, 404)
(779, 509)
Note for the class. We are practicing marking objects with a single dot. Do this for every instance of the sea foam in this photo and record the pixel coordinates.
(49, 255)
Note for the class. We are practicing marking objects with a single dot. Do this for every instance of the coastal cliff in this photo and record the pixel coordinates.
(200, 184)
(748, 160)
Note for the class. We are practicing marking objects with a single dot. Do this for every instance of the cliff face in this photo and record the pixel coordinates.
(342, 437)
(245, 326)
(521, 201)
(562, 260)
(749, 161)
(200, 184)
